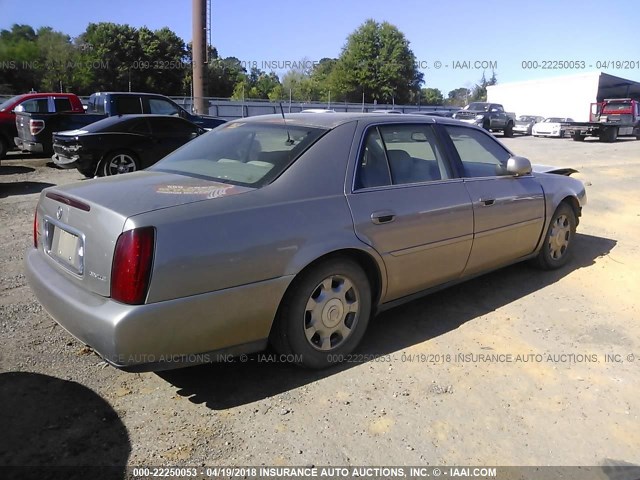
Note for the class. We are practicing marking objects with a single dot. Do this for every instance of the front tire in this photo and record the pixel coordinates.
(558, 241)
(324, 315)
(508, 131)
(117, 163)
(4, 148)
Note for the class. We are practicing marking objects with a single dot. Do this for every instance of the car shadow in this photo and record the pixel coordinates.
(16, 155)
(15, 169)
(22, 188)
(50, 427)
(225, 385)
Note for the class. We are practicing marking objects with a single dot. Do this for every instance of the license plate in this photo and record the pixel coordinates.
(66, 248)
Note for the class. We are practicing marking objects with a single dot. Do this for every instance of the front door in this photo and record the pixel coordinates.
(407, 205)
(508, 211)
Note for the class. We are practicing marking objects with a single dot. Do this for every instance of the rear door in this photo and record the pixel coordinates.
(407, 205)
(508, 211)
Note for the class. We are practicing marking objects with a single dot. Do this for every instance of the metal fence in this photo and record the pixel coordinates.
(232, 109)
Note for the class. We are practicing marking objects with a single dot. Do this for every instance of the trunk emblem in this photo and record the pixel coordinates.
(59, 213)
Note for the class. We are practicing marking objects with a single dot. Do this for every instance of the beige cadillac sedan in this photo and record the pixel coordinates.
(291, 231)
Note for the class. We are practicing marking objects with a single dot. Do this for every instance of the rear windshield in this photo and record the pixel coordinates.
(248, 154)
(478, 106)
(4, 105)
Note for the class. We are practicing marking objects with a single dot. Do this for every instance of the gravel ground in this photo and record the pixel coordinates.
(430, 397)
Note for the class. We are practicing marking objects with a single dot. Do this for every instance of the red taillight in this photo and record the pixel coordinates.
(36, 126)
(132, 263)
(35, 229)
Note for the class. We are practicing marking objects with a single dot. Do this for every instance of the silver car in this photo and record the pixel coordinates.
(293, 232)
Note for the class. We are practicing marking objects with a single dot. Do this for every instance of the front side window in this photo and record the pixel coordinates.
(481, 154)
(162, 107)
(250, 154)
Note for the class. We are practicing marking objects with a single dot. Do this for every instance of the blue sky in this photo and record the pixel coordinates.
(505, 32)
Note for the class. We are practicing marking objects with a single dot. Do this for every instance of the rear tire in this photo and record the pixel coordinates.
(324, 314)
(578, 137)
(558, 241)
(117, 163)
(88, 172)
(610, 135)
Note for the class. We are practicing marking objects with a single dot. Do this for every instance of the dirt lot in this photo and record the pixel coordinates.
(429, 399)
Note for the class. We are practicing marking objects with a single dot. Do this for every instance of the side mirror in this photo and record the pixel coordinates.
(518, 166)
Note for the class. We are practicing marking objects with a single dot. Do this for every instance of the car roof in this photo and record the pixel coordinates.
(322, 120)
(131, 93)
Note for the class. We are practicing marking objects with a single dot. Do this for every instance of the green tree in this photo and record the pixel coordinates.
(480, 90)
(20, 62)
(377, 60)
(165, 55)
(299, 85)
(115, 59)
(458, 97)
(431, 96)
(257, 85)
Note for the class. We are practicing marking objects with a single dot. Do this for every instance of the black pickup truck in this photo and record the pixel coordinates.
(100, 105)
(490, 116)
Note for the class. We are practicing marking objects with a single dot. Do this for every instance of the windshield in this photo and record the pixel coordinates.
(4, 105)
(553, 120)
(617, 108)
(526, 118)
(249, 154)
(483, 107)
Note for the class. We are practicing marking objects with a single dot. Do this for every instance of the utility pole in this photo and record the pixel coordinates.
(199, 53)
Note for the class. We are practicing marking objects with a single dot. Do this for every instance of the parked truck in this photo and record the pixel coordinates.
(34, 103)
(608, 120)
(490, 116)
(35, 130)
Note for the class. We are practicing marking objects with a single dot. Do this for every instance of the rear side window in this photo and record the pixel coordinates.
(481, 154)
(62, 104)
(36, 105)
(141, 127)
(400, 154)
(128, 104)
(172, 127)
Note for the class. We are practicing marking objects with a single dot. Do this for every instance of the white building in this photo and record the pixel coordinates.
(568, 96)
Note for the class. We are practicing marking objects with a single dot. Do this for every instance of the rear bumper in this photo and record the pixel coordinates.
(162, 335)
(65, 162)
(27, 146)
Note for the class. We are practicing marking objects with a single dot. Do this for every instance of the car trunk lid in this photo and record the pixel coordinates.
(79, 224)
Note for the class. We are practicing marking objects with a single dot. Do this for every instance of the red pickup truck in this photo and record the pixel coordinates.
(35, 103)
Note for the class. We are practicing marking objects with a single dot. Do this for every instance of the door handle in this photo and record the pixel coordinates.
(488, 202)
(385, 216)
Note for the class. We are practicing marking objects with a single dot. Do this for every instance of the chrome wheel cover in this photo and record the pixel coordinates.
(121, 163)
(559, 237)
(331, 313)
